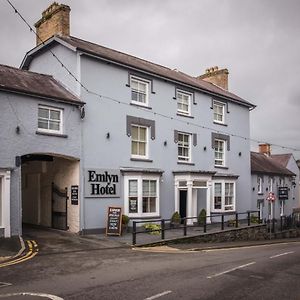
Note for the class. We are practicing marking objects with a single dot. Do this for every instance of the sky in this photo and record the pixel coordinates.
(258, 41)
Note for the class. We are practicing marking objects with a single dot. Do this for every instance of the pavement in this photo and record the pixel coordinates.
(55, 241)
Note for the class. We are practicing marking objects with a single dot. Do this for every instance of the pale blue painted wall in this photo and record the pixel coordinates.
(20, 110)
(104, 116)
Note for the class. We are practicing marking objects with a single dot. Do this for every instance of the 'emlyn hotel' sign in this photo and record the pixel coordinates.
(102, 183)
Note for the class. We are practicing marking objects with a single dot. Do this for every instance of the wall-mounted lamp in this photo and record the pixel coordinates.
(204, 148)
(240, 153)
(108, 135)
(253, 189)
(18, 129)
(165, 143)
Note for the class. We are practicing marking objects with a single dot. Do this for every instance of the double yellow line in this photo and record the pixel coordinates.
(32, 252)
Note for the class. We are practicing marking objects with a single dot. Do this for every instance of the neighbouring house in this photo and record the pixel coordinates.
(40, 151)
(276, 174)
(153, 140)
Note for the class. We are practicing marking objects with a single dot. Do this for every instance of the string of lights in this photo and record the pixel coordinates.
(101, 97)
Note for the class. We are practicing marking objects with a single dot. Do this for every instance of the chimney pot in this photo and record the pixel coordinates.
(265, 149)
(55, 21)
(216, 76)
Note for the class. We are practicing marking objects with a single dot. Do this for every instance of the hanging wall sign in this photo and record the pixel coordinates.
(114, 221)
(102, 183)
(74, 194)
(283, 193)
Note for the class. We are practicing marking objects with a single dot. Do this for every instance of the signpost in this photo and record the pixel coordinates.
(271, 198)
(114, 221)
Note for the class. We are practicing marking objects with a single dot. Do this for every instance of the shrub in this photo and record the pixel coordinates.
(125, 219)
(202, 217)
(254, 219)
(152, 228)
(176, 218)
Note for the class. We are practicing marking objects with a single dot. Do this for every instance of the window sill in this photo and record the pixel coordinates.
(185, 163)
(51, 134)
(221, 167)
(222, 124)
(183, 115)
(140, 105)
(141, 159)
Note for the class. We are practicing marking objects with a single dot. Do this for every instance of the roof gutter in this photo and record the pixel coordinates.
(55, 99)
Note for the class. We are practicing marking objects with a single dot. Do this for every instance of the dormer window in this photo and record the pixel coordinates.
(183, 103)
(139, 91)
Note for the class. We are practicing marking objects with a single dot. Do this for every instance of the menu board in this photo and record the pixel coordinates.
(114, 221)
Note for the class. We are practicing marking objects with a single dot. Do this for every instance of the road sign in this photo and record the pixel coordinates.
(271, 197)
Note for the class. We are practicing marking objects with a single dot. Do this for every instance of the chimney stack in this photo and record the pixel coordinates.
(265, 149)
(216, 76)
(55, 21)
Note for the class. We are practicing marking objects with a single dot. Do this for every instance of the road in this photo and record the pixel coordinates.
(260, 272)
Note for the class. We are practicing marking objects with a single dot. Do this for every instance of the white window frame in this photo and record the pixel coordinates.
(5, 202)
(140, 81)
(181, 111)
(223, 206)
(223, 161)
(140, 178)
(216, 105)
(146, 156)
(61, 123)
(271, 184)
(181, 158)
(259, 185)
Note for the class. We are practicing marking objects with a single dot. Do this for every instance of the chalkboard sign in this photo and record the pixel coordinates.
(114, 221)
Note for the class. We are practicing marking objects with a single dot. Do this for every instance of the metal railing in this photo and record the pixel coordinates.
(167, 224)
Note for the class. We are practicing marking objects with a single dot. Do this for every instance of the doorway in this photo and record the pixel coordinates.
(46, 185)
(182, 203)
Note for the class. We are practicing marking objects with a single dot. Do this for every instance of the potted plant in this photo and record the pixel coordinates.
(175, 219)
(202, 217)
(125, 222)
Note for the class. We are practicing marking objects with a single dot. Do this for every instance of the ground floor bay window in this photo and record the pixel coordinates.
(224, 196)
(5, 203)
(141, 195)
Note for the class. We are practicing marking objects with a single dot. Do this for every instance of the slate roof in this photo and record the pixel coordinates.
(142, 65)
(282, 159)
(263, 164)
(34, 84)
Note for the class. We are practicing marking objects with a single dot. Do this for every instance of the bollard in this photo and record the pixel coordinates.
(162, 229)
(184, 227)
(236, 220)
(133, 233)
(204, 225)
(249, 223)
(222, 225)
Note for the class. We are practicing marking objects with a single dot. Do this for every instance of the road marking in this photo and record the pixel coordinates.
(230, 270)
(4, 284)
(30, 254)
(244, 247)
(52, 297)
(161, 249)
(159, 295)
(281, 254)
